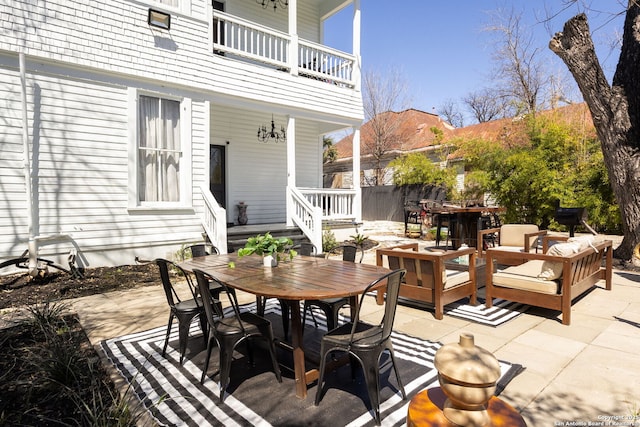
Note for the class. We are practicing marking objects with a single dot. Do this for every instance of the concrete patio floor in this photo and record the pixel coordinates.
(586, 372)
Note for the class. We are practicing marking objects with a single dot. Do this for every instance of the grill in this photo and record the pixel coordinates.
(571, 217)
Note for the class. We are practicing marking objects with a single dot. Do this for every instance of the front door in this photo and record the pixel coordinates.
(217, 173)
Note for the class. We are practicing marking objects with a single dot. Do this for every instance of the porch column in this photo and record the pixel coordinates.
(357, 68)
(357, 204)
(291, 165)
(293, 35)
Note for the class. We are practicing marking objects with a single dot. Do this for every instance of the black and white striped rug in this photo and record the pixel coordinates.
(174, 396)
(501, 312)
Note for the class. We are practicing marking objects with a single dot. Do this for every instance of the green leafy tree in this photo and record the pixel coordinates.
(558, 162)
(329, 153)
(417, 168)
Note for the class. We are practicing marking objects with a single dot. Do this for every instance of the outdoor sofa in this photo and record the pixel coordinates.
(434, 277)
(553, 279)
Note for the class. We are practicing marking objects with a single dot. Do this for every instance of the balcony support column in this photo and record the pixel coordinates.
(357, 203)
(293, 34)
(291, 166)
(357, 67)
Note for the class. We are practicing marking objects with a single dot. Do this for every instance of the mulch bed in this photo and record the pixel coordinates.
(21, 289)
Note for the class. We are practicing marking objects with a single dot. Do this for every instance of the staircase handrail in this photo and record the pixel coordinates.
(214, 220)
(307, 217)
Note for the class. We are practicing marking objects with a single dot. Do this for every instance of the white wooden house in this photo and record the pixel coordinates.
(128, 127)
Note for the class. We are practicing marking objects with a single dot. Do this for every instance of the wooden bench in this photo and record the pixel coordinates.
(579, 269)
(421, 283)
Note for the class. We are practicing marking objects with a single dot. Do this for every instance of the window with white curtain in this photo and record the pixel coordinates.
(159, 150)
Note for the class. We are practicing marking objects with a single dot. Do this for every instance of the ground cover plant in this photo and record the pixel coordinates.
(50, 373)
(52, 376)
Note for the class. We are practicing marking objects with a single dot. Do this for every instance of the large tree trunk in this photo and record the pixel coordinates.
(615, 110)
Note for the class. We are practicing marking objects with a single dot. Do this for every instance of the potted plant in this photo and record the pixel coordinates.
(270, 248)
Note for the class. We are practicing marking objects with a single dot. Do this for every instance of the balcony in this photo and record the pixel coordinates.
(241, 39)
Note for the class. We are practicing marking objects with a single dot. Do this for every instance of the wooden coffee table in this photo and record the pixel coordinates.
(425, 410)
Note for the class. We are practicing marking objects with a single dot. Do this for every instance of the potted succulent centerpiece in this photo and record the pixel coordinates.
(272, 249)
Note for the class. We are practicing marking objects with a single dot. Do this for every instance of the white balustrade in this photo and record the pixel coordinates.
(249, 40)
(214, 220)
(336, 204)
(246, 39)
(326, 64)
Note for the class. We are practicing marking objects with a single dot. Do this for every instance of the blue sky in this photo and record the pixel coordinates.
(442, 50)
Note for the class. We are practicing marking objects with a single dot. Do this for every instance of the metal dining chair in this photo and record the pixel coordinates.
(331, 306)
(228, 332)
(200, 250)
(305, 248)
(182, 309)
(365, 342)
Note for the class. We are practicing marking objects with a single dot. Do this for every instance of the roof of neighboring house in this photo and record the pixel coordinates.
(511, 131)
(411, 130)
(414, 133)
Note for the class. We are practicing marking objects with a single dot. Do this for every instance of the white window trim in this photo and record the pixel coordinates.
(186, 177)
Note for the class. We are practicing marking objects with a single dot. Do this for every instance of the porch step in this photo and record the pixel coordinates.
(237, 236)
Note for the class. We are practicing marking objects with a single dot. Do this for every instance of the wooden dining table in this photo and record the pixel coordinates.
(467, 221)
(292, 281)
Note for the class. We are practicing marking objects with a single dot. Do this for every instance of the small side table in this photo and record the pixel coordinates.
(425, 410)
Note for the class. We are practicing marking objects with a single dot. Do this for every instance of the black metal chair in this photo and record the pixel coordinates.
(450, 221)
(228, 332)
(331, 306)
(183, 310)
(485, 222)
(305, 248)
(366, 343)
(201, 250)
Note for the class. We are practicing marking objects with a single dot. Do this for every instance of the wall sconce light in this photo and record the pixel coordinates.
(159, 19)
(264, 135)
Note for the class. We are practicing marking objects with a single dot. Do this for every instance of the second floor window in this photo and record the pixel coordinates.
(159, 150)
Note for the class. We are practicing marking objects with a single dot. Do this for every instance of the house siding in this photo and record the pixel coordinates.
(81, 182)
(114, 37)
(86, 63)
(264, 187)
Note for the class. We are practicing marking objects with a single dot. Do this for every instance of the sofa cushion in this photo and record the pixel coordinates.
(454, 278)
(513, 234)
(525, 277)
(552, 270)
(510, 248)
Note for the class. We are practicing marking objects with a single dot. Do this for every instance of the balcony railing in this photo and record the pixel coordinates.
(310, 207)
(244, 39)
(336, 204)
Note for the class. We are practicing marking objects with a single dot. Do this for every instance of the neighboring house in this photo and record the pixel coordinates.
(398, 133)
(129, 126)
(412, 133)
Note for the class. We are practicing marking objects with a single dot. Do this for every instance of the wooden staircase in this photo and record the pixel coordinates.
(237, 236)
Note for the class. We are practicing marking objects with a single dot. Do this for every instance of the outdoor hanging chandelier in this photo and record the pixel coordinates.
(265, 3)
(264, 135)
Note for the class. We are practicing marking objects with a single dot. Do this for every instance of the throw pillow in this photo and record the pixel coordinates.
(552, 270)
